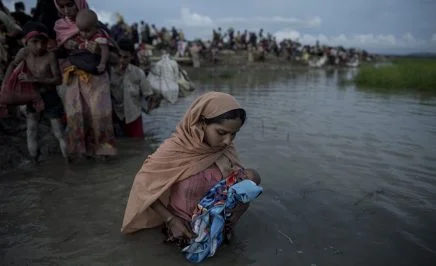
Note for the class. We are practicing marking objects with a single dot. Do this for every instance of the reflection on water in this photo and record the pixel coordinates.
(348, 175)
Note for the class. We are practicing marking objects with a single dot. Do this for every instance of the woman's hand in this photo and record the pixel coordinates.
(93, 47)
(178, 228)
(70, 45)
(175, 225)
(237, 212)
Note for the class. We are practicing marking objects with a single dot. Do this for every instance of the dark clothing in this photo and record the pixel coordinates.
(21, 18)
(131, 130)
(117, 32)
(53, 107)
(174, 33)
(135, 35)
(47, 14)
(145, 36)
(253, 39)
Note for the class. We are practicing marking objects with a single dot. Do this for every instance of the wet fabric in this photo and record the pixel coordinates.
(185, 84)
(86, 100)
(186, 194)
(212, 212)
(181, 156)
(164, 77)
(133, 129)
(89, 113)
(15, 92)
(85, 60)
(128, 89)
(53, 108)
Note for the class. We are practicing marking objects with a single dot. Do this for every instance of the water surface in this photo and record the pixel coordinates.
(349, 177)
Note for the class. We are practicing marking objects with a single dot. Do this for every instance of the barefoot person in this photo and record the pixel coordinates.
(196, 157)
(41, 69)
(86, 99)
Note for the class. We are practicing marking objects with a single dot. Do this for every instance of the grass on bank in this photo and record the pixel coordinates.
(418, 75)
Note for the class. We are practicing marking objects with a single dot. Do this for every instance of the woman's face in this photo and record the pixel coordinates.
(68, 8)
(222, 135)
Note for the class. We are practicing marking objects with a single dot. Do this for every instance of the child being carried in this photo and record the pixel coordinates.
(87, 23)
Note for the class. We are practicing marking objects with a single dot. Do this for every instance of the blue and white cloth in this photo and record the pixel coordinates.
(212, 211)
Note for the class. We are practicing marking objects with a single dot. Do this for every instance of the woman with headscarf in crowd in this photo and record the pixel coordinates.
(86, 97)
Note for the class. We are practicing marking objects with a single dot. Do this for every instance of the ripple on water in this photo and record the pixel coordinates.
(344, 172)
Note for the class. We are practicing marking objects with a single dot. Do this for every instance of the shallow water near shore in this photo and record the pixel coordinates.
(349, 178)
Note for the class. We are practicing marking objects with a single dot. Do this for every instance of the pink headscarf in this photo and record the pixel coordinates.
(65, 28)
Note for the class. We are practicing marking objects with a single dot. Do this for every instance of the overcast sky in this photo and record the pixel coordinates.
(398, 26)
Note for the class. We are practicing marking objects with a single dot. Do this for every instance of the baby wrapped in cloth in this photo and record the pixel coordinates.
(209, 219)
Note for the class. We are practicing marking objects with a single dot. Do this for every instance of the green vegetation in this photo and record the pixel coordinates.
(405, 74)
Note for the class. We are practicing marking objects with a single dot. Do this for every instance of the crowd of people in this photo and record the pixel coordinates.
(83, 78)
(78, 77)
(257, 44)
(90, 77)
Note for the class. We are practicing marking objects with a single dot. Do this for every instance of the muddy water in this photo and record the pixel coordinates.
(349, 179)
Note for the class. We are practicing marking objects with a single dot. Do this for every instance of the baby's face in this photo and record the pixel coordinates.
(86, 26)
(87, 33)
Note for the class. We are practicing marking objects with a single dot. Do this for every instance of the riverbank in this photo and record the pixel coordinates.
(240, 59)
(415, 75)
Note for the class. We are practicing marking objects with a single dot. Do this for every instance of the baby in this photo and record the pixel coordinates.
(252, 175)
(87, 23)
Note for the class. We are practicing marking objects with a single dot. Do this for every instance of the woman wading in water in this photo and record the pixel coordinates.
(185, 167)
(86, 95)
